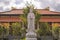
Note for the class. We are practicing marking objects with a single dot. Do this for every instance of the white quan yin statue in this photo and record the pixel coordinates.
(31, 35)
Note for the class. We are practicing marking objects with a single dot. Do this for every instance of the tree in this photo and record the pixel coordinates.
(16, 27)
(17, 30)
(37, 17)
(55, 31)
(3, 31)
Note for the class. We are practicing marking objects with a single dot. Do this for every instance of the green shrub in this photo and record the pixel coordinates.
(44, 29)
(55, 32)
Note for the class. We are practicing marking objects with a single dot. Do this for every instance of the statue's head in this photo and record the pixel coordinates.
(31, 14)
(31, 9)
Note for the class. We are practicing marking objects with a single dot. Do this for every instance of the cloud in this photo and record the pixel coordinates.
(1, 9)
(42, 3)
(18, 4)
(53, 5)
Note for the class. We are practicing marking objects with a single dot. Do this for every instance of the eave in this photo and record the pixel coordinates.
(20, 11)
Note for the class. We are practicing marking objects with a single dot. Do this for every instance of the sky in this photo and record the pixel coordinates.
(6, 5)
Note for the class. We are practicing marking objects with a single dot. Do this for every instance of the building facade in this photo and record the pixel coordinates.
(13, 16)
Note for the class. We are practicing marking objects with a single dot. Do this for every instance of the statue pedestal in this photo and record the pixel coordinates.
(31, 36)
(31, 39)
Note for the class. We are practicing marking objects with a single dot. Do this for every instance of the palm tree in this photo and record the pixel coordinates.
(37, 17)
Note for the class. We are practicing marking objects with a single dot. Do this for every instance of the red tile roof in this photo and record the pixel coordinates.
(20, 11)
(15, 11)
(47, 12)
(50, 19)
(10, 19)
